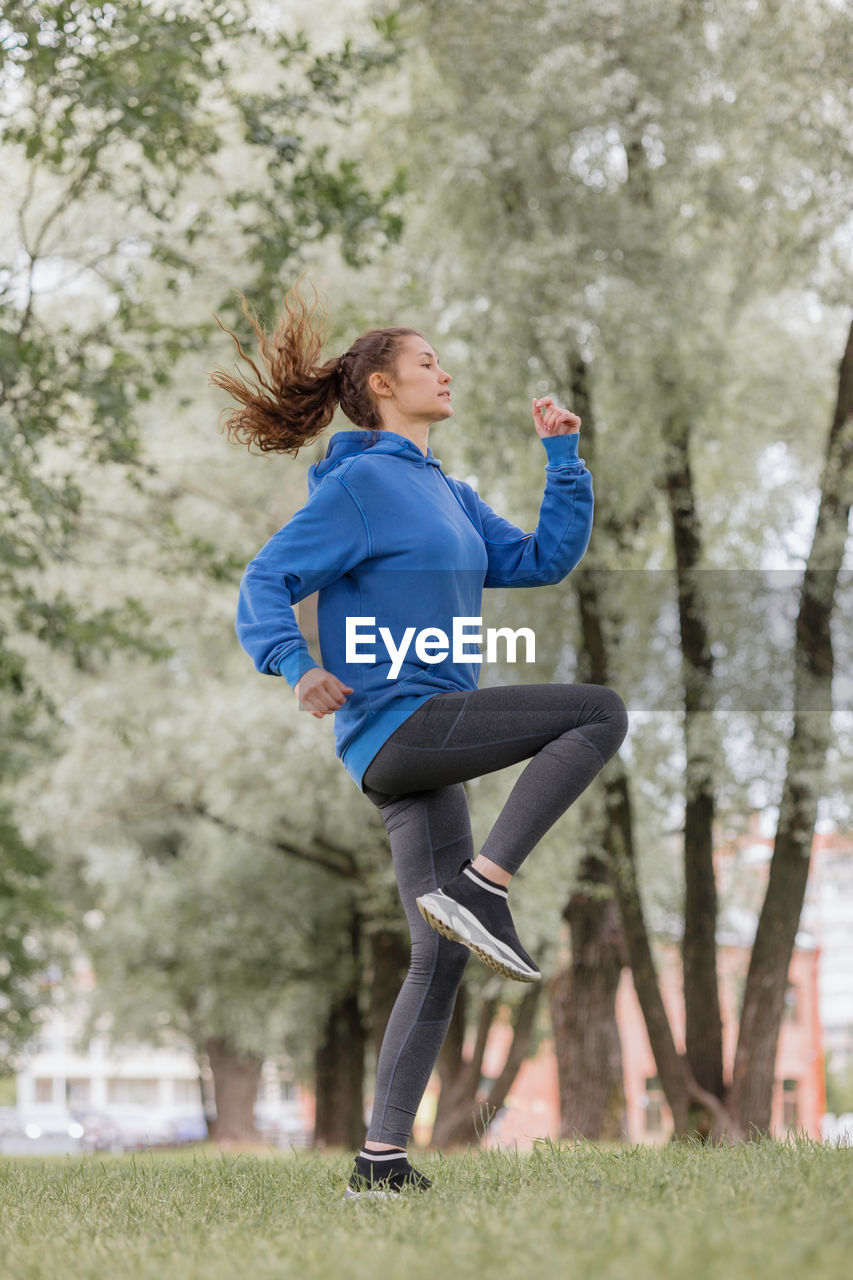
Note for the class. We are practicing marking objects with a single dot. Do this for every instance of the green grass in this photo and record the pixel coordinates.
(760, 1210)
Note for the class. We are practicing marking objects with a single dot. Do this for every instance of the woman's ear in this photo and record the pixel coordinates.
(379, 384)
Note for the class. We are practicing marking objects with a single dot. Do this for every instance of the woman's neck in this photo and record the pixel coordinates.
(417, 432)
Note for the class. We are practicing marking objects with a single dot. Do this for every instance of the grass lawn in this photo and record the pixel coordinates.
(677, 1213)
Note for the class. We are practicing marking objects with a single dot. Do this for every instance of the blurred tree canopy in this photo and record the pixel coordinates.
(645, 202)
(134, 155)
(146, 148)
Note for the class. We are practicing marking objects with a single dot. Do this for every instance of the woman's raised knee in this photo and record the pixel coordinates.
(613, 714)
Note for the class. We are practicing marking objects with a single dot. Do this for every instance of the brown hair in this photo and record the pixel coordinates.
(294, 398)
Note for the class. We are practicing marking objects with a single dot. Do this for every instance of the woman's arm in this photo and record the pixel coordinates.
(321, 543)
(546, 556)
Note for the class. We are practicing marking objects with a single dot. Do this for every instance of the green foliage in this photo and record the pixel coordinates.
(143, 179)
(666, 227)
(315, 187)
(112, 122)
(641, 206)
(99, 75)
(24, 958)
(103, 112)
(839, 1088)
(671, 177)
(201, 935)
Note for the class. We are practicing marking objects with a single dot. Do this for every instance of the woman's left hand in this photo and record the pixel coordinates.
(550, 420)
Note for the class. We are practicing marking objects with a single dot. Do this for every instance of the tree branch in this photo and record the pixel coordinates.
(348, 870)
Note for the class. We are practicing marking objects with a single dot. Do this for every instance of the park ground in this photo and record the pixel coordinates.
(759, 1210)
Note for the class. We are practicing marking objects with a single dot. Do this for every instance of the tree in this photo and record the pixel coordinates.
(68, 390)
(680, 177)
(24, 957)
(143, 172)
(112, 143)
(464, 1109)
(583, 1011)
(234, 940)
(763, 1001)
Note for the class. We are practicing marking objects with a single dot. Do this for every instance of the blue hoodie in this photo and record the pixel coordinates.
(388, 538)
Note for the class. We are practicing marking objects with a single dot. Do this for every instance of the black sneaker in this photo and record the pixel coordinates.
(473, 911)
(382, 1174)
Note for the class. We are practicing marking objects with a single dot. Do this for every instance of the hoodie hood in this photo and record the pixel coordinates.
(348, 444)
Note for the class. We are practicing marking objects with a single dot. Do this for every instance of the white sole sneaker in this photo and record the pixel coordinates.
(458, 924)
(374, 1193)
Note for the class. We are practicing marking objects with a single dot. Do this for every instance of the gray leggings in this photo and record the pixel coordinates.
(415, 780)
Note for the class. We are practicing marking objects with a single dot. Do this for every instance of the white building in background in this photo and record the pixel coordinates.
(101, 1076)
(126, 1095)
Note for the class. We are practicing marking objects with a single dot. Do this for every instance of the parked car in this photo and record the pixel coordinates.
(138, 1127)
(57, 1131)
(41, 1131)
(100, 1131)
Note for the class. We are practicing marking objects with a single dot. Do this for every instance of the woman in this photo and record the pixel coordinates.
(400, 551)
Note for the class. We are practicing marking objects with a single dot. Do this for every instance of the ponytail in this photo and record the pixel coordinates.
(294, 397)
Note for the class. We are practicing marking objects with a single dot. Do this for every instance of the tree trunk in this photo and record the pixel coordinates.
(389, 962)
(236, 1078)
(451, 1063)
(590, 587)
(583, 997)
(703, 1020)
(621, 843)
(676, 1078)
(583, 1013)
(469, 1121)
(460, 1076)
(752, 1083)
(339, 1066)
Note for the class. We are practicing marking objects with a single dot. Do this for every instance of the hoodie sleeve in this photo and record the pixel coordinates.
(546, 556)
(322, 542)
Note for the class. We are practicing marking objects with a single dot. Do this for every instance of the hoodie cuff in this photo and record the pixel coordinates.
(561, 449)
(294, 665)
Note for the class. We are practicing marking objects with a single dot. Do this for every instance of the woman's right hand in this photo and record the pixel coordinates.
(550, 420)
(320, 692)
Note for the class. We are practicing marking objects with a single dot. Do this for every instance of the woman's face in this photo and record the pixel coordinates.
(419, 387)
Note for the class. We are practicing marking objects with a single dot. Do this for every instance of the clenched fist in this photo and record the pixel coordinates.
(320, 692)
